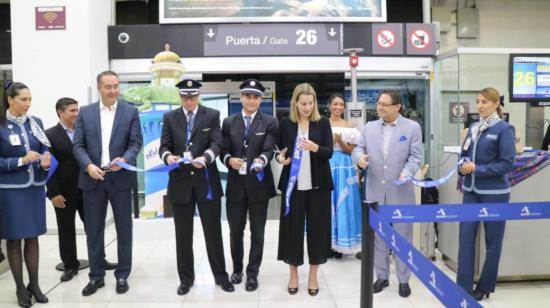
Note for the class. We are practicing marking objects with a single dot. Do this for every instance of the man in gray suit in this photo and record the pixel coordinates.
(392, 149)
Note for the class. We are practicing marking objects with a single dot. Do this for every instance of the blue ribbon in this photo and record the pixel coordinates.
(170, 167)
(465, 212)
(53, 166)
(433, 183)
(294, 170)
(259, 174)
(446, 291)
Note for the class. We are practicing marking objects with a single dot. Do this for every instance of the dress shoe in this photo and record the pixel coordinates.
(226, 285)
(38, 295)
(68, 274)
(313, 292)
(251, 284)
(23, 298)
(379, 285)
(337, 254)
(184, 288)
(122, 286)
(292, 290)
(236, 278)
(92, 287)
(404, 290)
(358, 255)
(480, 295)
(110, 266)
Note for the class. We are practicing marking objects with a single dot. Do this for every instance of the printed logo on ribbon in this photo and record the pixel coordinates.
(484, 212)
(380, 230)
(433, 283)
(393, 243)
(464, 304)
(410, 260)
(441, 214)
(397, 214)
(527, 212)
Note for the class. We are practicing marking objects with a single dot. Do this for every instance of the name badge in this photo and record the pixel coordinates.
(15, 140)
(467, 144)
(187, 155)
(242, 169)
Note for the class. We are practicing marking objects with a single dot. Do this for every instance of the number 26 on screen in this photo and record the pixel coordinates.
(524, 78)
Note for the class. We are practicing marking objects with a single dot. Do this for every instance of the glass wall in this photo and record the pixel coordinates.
(459, 78)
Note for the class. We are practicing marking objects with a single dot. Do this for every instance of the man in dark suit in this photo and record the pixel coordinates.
(248, 140)
(66, 198)
(107, 132)
(63, 188)
(193, 132)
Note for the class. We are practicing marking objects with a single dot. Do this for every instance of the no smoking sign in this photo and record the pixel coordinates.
(385, 39)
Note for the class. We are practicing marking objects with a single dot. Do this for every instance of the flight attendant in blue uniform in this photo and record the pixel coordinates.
(24, 161)
(489, 153)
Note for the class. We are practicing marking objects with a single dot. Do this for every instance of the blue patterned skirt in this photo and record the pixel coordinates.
(346, 204)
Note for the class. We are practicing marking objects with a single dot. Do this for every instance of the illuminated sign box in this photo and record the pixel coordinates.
(238, 11)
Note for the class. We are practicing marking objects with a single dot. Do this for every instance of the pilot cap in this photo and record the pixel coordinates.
(189, 87)
(252, 86)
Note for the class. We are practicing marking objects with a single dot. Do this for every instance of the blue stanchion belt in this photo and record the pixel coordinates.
(465, 212)
(446, 291)
(294, 170)
(170, 167)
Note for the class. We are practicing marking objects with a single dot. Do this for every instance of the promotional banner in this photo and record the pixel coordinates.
(220, 11)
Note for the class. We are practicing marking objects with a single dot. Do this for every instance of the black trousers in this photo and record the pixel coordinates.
(95, 211)
(312, 208)
(210, 213)
(236, 217)
(67, 232)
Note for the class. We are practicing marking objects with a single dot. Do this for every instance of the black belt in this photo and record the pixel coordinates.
(106, 169)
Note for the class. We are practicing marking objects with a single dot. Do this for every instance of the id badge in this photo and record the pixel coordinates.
(242, 169)
(15, 140)
(467, 144)
(187, 155)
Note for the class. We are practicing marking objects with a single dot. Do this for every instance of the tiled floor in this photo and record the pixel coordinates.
(153, 282)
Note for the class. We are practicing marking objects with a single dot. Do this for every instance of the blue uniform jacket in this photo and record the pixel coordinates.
(493, 154)
(12, 176)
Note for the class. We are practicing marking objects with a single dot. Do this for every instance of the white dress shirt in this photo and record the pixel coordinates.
(387, 132)
(107, 115)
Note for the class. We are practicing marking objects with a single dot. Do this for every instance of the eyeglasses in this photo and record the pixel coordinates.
(385, 105)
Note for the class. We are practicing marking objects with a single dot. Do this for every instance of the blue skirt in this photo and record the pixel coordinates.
(346, 204)
(22, 212)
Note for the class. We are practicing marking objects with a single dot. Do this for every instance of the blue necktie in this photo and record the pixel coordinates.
(190, 120)
(248, 120)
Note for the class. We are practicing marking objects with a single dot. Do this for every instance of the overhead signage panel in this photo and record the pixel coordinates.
(229, 11)
(272, 39)
(421, 39)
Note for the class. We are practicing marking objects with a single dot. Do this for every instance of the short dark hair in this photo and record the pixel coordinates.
(395, 97)
(63, 103)
(105, 73)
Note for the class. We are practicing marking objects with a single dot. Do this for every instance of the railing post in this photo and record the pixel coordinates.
(367, 254)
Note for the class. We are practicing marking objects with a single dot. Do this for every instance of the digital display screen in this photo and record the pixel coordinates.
(529, 78)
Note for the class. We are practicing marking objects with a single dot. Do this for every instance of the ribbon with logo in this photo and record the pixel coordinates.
(465, 212)
(294, 170)
(53, 166)
(170, 167)
(446, 291)
(432, 183)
